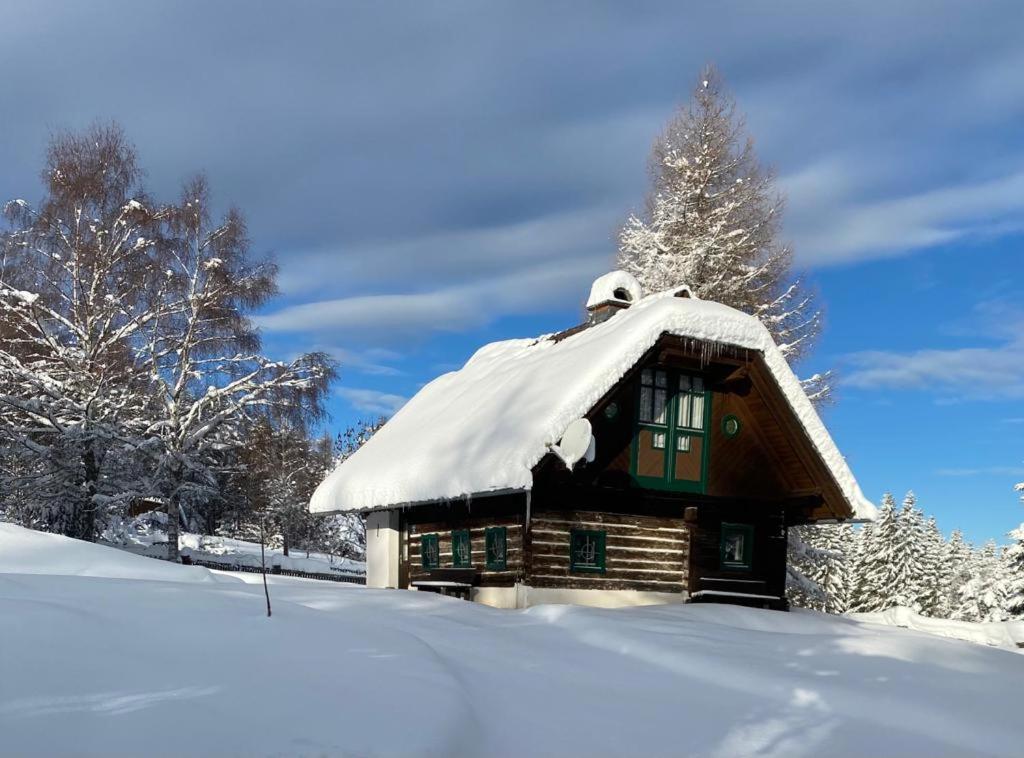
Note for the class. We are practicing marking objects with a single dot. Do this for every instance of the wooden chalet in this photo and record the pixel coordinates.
(704, 450)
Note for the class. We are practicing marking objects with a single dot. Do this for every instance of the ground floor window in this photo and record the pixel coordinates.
(496, 538)
(462, 556)
(586, 550)
(737, 546)
(430, 551)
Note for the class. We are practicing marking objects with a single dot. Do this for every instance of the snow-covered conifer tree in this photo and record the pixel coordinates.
(957, 557)
(906, 554)
(837, 577)
(934, 578)
(1013, 588)
(980, 597)
(1012, 591)
(712, 222)
(803, 557)
(822, 575)
(873, 585)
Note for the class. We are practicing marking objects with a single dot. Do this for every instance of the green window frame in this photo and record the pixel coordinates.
(462, 549)
(430, 551)
(496, 546)
(587, 551)
(736, 546)
(673, 415)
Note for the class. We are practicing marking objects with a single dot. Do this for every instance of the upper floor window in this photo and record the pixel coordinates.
(670, 450)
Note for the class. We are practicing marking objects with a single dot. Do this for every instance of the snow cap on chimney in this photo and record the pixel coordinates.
(612, 292)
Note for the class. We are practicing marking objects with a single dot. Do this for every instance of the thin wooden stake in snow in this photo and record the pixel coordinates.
(263, 563)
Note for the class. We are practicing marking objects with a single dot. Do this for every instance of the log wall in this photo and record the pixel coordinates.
(477, 526)
(646, 553)
(767, 574)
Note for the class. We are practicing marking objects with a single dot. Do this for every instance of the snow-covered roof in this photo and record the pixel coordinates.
(483, 428)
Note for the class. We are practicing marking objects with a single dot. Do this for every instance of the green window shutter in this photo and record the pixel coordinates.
(430, 552)
(736, 546)
(496, 545)
(462, 554)
(587, 551)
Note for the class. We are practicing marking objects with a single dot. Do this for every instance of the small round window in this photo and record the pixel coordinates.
(731, 426)
(611, 411)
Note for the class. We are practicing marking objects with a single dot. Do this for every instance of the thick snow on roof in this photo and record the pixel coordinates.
(483, 428)
(611, 286)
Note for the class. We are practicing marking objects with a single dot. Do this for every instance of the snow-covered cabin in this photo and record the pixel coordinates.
(656, 453)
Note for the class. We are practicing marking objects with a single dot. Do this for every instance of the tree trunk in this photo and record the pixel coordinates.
(86, 523)
(284, 540)
(172, 528)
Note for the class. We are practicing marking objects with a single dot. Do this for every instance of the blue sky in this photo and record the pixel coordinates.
(432, 176)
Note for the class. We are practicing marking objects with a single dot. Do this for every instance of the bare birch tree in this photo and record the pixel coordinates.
(209, 379)
(126, 330)
(71, 281)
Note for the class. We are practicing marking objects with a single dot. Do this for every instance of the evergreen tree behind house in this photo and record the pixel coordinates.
(657, 453)
(712, 222)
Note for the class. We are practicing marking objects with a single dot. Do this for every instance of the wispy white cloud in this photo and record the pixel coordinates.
(834, 227)
(392, 316)
(457, 256)
(974, 372)
(990, 372)
(373, 361)
(982, 471)
(372, 401)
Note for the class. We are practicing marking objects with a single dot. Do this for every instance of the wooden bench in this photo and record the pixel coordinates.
(452, 582)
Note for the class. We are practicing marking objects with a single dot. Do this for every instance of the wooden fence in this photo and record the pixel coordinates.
(276, 570)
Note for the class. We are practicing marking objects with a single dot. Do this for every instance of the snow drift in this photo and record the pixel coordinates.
(168, 666)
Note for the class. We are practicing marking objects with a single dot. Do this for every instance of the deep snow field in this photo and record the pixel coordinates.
(107, 653)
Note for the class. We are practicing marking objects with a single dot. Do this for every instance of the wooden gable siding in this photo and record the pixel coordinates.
(756, 462)
(772, 456)
(614, 435)
(646, 553)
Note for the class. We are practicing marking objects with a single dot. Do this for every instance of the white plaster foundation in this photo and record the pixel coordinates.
(524, 596)
(382, 546)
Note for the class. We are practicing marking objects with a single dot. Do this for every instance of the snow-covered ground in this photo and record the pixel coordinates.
(146, 535)
(108, 653)
(1007, 634)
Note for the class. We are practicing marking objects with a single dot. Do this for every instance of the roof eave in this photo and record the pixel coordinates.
(431, 501)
